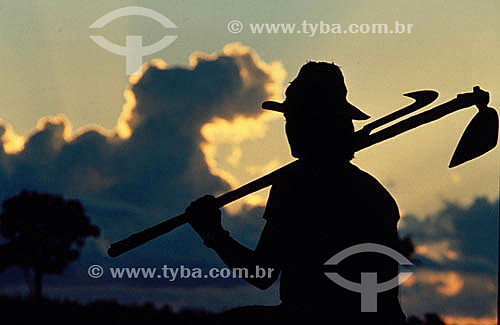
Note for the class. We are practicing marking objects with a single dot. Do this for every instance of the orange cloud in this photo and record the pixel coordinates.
(122, 127)
(438, 251)
(274, 70)
(447, 283)
(469, 320)
(12, 143)
(233, 168)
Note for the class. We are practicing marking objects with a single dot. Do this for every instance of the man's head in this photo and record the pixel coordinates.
(318, 115)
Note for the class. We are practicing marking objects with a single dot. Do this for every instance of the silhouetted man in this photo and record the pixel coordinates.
(320, 208)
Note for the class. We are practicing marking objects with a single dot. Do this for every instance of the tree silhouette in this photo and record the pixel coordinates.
(429, 319)
(44, 233)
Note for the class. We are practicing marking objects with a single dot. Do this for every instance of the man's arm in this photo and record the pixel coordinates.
(206, 221)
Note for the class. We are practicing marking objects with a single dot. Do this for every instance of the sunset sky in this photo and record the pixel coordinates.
(138, 149)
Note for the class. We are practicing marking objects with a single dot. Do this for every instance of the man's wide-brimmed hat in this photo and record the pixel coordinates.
(321, 87)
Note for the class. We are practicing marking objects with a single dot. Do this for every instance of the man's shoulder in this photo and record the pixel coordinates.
(373, 188)
(338, 173)
(345, 177)
(367, 179)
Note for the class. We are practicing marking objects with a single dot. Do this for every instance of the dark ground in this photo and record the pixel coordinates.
(20, 310)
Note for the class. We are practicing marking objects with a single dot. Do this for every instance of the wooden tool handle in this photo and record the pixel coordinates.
(363, 141)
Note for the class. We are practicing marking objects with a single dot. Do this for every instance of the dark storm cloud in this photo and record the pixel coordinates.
(130, 183)
(470, 231)
(160, 168)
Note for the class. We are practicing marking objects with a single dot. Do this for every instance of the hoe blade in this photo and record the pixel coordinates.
(480, 136)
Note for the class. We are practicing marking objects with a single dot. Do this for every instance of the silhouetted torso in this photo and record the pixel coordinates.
(319, 210)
